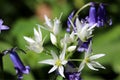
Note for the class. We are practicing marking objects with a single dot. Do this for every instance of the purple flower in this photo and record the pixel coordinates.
(18, 65)
(68, 22)
(92, 14)
(3, 27)
(97, 14)
(71, 72)
(102, 16)
(73, 76)
(83, 46)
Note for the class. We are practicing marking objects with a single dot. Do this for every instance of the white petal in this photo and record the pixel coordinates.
(78, 24)
(53, 69)
(56, 28)
(40, 34)
(53, 39)
(89, 51)
(71, 23)
(81, 66)
(84, 31)
(64, 62)
(36, 34)
(29, 40)
(90, 28)
(71, 48)
(91, 67)
(48, 21)
(55, 57)
(61, 71)
(72, 35)
(36, 47)
(62, 55)
(96, 56)
(97, 65)
(49, 61)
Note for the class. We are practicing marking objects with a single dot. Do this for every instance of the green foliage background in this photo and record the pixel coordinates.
(20, 16)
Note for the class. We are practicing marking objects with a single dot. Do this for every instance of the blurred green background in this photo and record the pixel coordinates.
(23, 15)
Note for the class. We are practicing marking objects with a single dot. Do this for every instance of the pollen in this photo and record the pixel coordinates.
(87, 60)
(58, 62)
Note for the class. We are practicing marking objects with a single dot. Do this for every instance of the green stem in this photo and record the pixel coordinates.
(76, 14)
(1, 67)
(75, 59)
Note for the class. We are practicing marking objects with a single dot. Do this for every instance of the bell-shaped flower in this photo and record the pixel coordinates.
(18, 65)
(35, 44)
(57, 62)
(3, 27)
(102, 16)
(92, 14)
(71, 72)
(53, 26)
(89, 60)
(83, 30)
(98, 14)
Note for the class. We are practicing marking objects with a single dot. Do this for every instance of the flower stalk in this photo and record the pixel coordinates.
(76, 14)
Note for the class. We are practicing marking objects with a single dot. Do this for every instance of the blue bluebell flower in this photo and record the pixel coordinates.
(98, 14)
(84, 46)
(71, 72)
(68, 22)
(102, 16)
(73, 76)
(92, 19)
(18, 65)
(3, 27)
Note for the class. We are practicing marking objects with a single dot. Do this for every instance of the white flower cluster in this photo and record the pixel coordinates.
(67, 45)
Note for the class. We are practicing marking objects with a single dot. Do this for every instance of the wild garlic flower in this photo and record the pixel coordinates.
(54, 26)
(89, 60)
(35, 44)
(83, 30)
(57, 62)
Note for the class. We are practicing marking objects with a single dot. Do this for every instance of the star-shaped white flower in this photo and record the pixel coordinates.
(54, 26)
(89, 60)
(35, 44)
(57, 62)
(83, 30)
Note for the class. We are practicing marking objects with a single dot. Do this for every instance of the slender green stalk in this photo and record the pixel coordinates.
(76, 14)
(75, 59)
